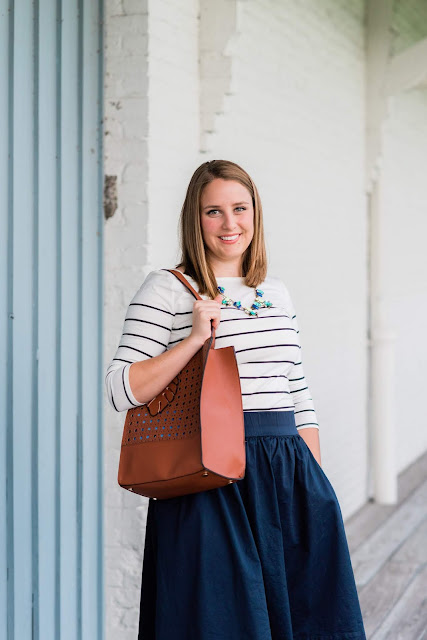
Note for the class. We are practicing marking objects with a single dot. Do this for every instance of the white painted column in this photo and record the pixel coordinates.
(383, 379)
(382, 338)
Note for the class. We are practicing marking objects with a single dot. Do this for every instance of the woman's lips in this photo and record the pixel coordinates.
(230, 241)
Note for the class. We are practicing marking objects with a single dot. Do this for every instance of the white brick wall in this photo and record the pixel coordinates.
(279, 88)
(126, 156)
(293, 117)
(151, 142)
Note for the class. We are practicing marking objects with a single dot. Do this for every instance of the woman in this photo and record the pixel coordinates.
(266, 557)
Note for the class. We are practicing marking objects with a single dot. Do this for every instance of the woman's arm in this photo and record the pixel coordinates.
(147, 378)
(305, 415)
(146, 360)
(142, 364)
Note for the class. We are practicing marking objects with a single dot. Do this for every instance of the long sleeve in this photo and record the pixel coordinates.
(305, 415)
(146, 331)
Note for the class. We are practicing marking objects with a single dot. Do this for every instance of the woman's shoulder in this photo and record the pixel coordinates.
(276, 282)
(273, 281)
(161, 277)
(280, 287)
(158, 283)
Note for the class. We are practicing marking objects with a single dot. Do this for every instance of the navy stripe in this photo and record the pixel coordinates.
(267, 346)
(124, 387)
(269, 408)
(230, 335)
(252, 318)
(266, 362)
(280, 375)
(154, 324)
(150, 306)
(305, 424)
(112, 400)
(254, 393)
(125, 346)
(138, 335)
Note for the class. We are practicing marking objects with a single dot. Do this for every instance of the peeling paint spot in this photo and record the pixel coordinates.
(110, 196)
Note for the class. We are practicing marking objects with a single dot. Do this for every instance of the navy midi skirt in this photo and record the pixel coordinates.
(263, 558)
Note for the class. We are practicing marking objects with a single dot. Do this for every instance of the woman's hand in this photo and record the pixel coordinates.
(203, 312)
(310, 435)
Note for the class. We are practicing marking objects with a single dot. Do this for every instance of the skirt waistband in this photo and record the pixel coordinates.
(270, 423)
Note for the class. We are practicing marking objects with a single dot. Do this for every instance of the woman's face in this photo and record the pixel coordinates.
(226, 210)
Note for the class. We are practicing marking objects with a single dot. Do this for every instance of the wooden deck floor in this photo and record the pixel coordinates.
(388, 547)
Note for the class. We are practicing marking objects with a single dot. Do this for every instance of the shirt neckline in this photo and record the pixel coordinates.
(218, 277)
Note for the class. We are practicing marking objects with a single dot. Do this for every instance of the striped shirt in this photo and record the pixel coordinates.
(267, 347)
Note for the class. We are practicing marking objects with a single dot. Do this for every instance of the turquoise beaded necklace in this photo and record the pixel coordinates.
(251, 311)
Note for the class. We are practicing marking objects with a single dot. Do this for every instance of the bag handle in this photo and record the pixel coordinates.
(185, 282)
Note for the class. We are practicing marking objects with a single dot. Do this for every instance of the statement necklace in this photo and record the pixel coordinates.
(251, 311)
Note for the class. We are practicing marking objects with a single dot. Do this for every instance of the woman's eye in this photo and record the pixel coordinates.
(216, 210)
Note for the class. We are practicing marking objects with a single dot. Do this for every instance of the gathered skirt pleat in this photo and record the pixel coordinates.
(263, 558)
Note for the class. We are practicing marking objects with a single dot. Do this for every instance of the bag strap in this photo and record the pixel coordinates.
(185, 282)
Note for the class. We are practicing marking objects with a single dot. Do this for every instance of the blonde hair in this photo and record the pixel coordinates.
(193, 250)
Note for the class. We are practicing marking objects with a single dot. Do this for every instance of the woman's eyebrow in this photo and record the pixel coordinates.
(218, 206)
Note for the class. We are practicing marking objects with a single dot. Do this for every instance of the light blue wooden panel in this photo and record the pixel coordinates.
(47, 296)
(5, 320)
(69, 310)
(22, 398)
(51, 371)
(91, 304)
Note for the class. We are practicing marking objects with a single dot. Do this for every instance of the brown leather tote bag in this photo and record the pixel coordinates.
(191, 436)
